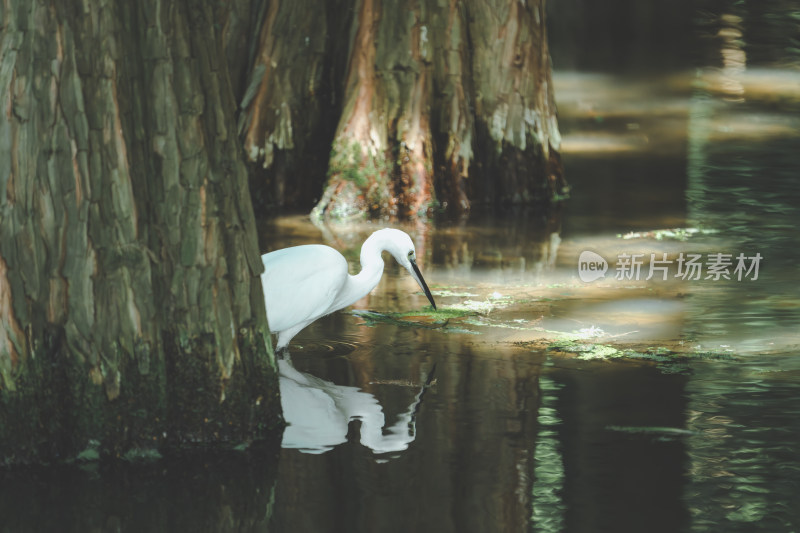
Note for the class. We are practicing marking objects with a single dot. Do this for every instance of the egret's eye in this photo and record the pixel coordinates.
(411, 254)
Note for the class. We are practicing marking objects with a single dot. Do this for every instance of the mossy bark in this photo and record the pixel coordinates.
(132, 313)
(454, 99)
(386, 115)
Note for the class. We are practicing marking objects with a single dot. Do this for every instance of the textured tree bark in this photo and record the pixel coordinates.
(381, 156)
(454, 119)
(516, 127)
(291, 103)
(446, 103)
(131, 310)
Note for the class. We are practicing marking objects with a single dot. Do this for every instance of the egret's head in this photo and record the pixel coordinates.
(400, 245)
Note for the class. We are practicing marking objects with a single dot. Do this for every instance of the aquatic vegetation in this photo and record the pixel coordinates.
(667, 360)
(445, 293)
(90, 453)
(483, 321)
(462, 312)
(144, 455)
(475, 306)
(427, 318)
(584, 350)
(679, 234)
(496, 312)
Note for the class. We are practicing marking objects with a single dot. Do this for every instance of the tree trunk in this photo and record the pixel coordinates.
(515, 114)
(434, 103)
(290, 106)
(131, 308)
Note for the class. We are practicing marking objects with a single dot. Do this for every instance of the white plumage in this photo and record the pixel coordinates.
(304, 283)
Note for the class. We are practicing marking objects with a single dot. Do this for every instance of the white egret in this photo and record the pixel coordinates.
(304, 283)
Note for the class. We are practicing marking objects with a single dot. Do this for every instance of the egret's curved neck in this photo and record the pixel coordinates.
(362, 283)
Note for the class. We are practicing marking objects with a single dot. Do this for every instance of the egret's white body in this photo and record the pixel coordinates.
(304, 283)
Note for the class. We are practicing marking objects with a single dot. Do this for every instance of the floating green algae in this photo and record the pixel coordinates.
(427, 318)
(667, 360)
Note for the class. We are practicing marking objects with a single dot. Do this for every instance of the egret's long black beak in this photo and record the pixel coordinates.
(418, 276)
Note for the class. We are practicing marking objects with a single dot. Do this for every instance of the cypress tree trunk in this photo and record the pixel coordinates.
(290, 106)
(132, 314)
(445, 103)
(516, 158)
(381, 154)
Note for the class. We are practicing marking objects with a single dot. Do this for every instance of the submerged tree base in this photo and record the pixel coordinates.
(56, 413)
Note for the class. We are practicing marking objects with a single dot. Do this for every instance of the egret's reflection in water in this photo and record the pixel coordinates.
(319, 412)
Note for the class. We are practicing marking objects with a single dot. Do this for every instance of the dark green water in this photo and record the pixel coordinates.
(677, 125)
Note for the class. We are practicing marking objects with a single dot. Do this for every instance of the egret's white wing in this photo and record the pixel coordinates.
(301, 283)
